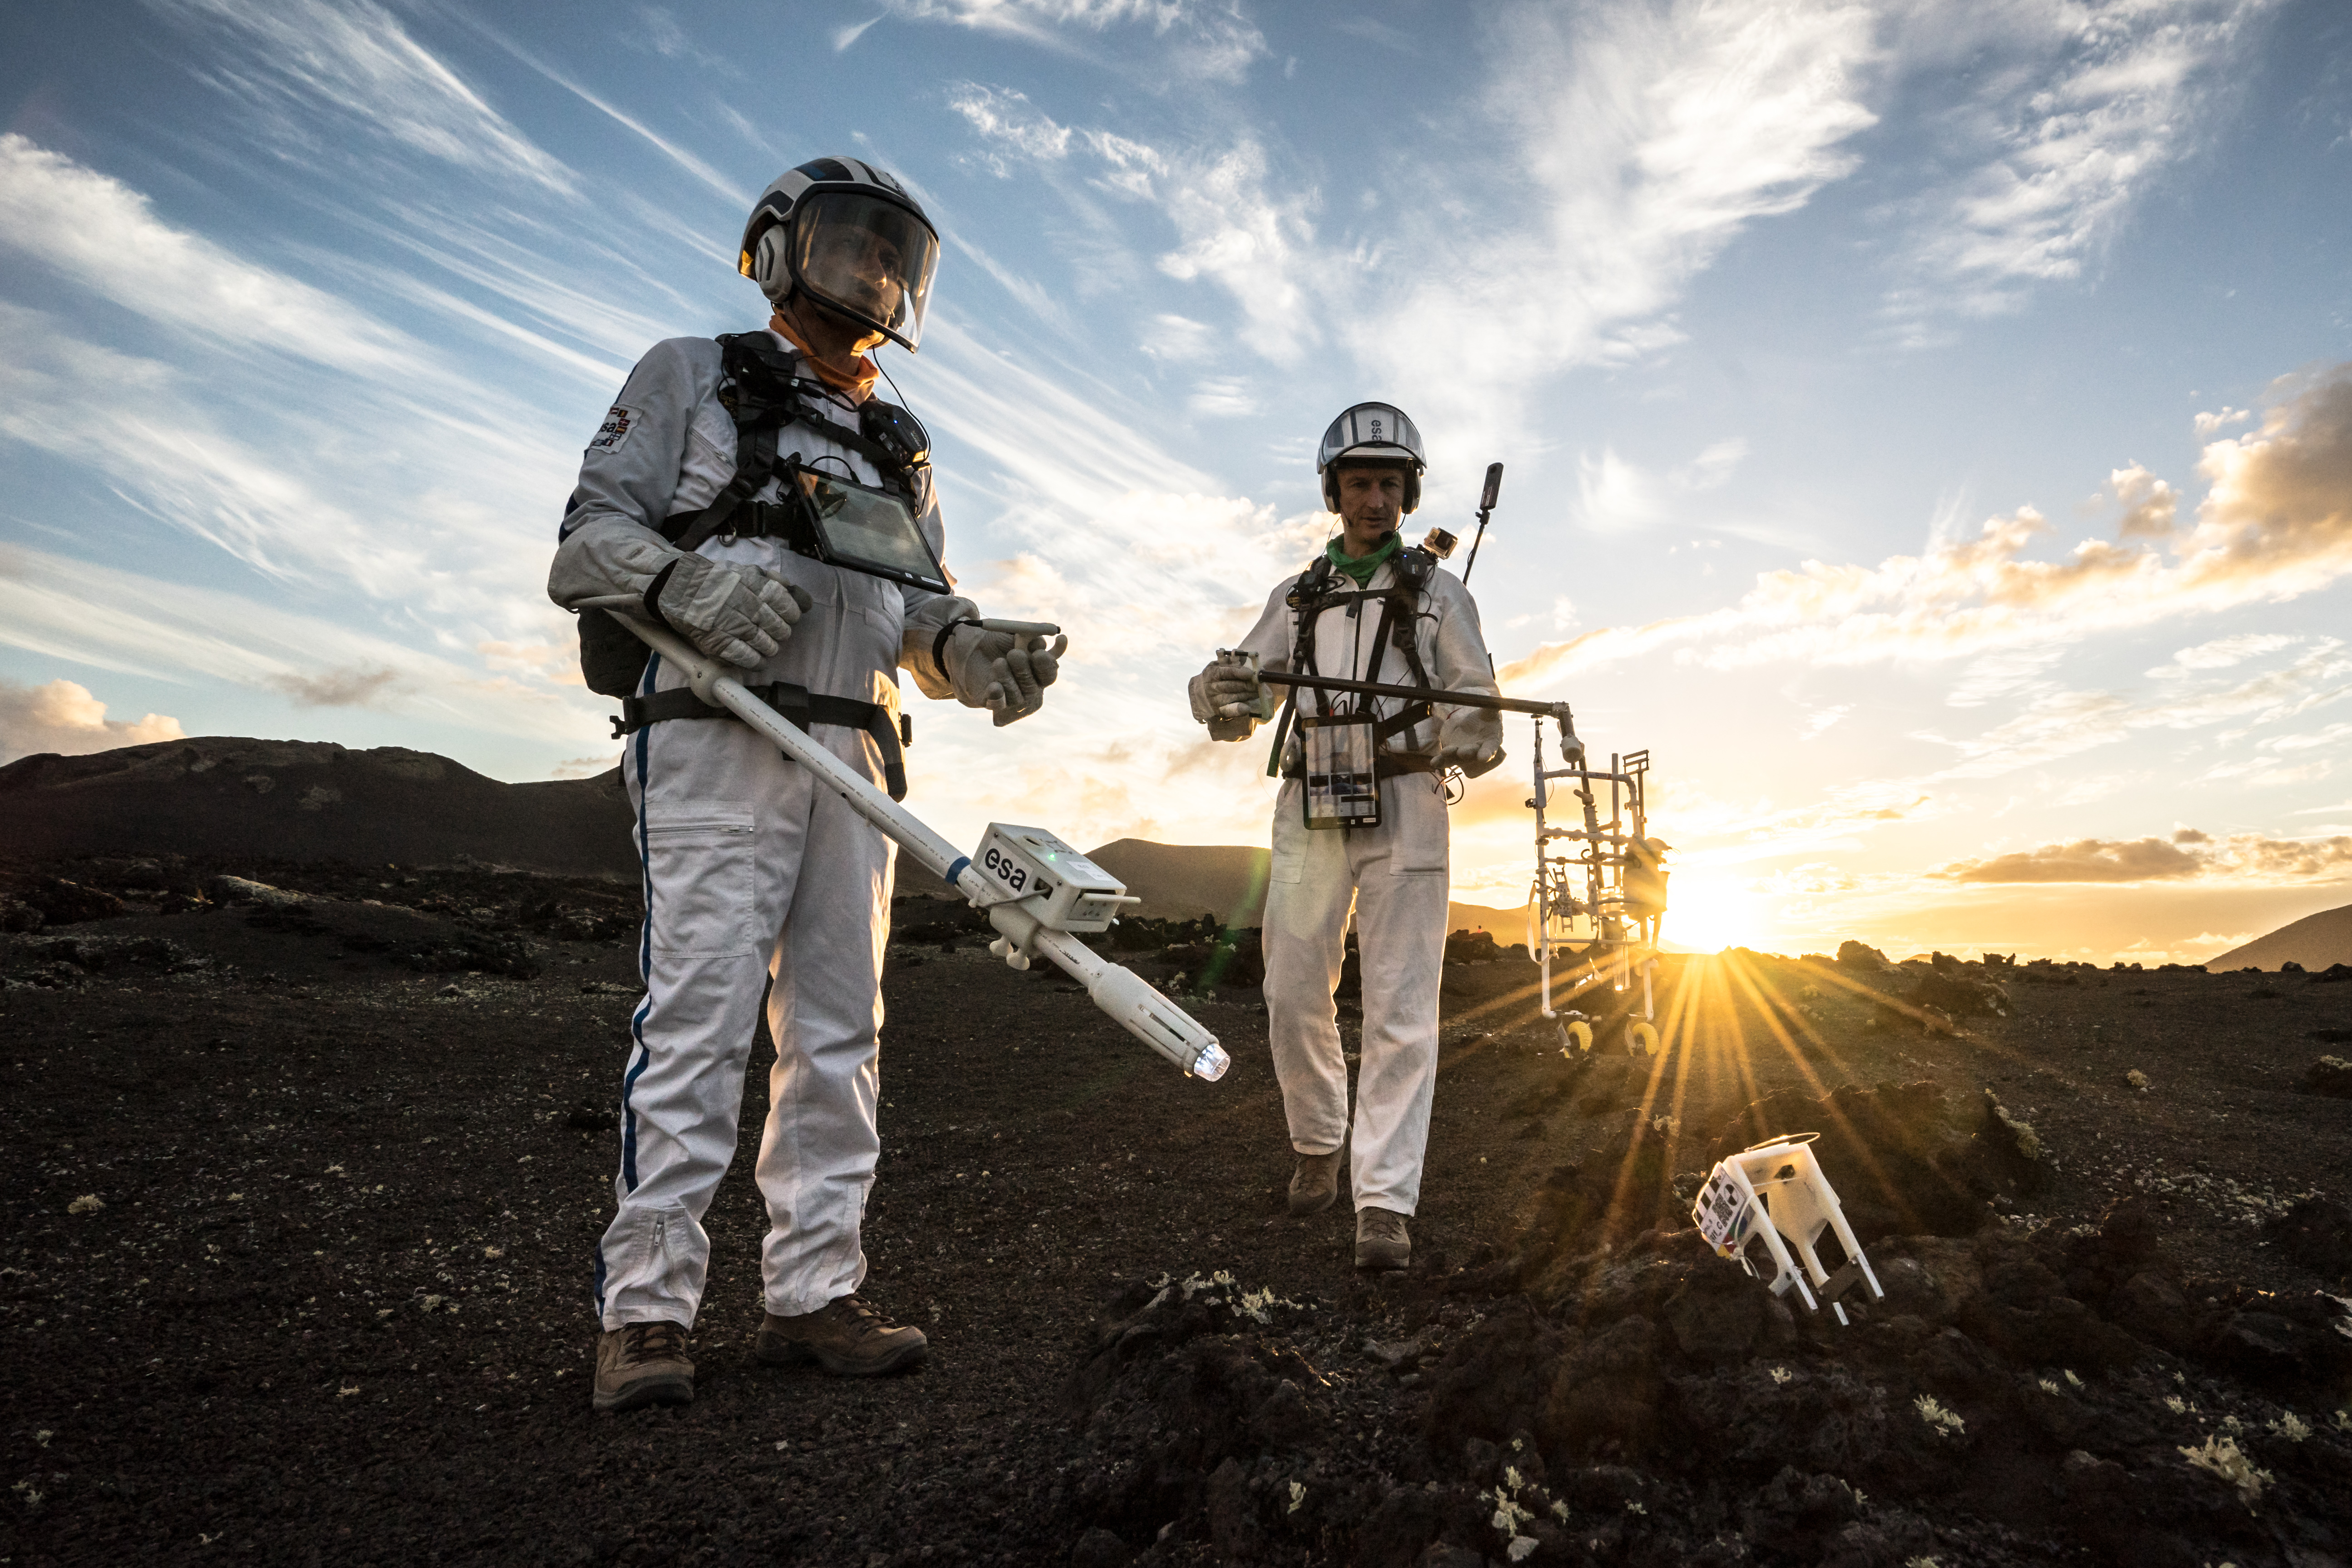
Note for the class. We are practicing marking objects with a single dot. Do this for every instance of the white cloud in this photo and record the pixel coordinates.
(2242, 856)
(1636, 142)
(2276, 522)
(2001, 673)
(1374, 32)
(1178, 339)
(1008, 120)
(1616, 496)
(351, 63)
(2077, 111)
(1221, 397)
(63, 609)
(62, 716)
(100, 233)
(1256, 246)
(2149, 504)
(2221, 653)
(1208, 38)
(717, 184)
(1818, 720)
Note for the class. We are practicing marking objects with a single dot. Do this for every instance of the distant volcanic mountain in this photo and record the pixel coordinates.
(2315, 941)
(216, 796)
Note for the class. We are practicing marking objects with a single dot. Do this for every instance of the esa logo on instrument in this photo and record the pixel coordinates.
(1005, 869)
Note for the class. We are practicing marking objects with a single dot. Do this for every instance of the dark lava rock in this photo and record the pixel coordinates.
(1180, 1383)
(1472, 947)
(61, 902)
(1860, 956)
(2316, 1232)
(1098, 1548)
(1961, 995)
(1897, 1163)
(2330, 1076)
(592, 1119)
(2300, 1342)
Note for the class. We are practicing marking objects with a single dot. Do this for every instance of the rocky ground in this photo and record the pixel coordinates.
(310, 1161)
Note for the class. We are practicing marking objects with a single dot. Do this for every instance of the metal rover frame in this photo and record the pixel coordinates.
(1589, 904)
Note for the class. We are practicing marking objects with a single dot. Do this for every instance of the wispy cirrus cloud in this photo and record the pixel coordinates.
(2074, 112)
(1637, 141)
(326, 77)
(1209, 38)
(81, 224)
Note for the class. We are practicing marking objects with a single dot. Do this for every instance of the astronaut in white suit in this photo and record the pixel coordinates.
(688, 501)
(1373, 609)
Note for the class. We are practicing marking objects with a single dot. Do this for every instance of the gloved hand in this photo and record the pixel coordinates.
(1473, 757)
(1225, 690)
(740, 614)
(1004, 672)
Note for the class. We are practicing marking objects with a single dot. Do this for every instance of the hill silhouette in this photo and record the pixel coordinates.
(2315, 941)
(1228, 880)
(220, 796)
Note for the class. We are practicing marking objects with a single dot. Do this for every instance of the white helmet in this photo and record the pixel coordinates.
(1372, 433)
(849, 236)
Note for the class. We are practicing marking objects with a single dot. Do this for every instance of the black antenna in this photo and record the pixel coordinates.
(1486, 499)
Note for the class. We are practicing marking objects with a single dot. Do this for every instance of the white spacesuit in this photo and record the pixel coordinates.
(1407, 623)
(749, 868)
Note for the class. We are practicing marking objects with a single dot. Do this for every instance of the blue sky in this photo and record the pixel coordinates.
(1928, 425)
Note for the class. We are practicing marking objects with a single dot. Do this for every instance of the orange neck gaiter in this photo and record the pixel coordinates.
(858, 385)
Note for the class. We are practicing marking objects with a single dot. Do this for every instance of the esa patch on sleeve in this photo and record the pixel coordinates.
(614, 430)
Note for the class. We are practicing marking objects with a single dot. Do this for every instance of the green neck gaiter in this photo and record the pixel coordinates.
(1362, 567)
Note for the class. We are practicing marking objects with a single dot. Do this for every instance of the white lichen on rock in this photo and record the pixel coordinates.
(1946, 1423)
(2292, 1427)
(2137, 1079)
(2220, 1455)
(89, 1203)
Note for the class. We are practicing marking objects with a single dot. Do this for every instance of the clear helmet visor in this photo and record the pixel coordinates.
(868, 258)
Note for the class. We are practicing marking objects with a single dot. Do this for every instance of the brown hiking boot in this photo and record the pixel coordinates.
(846, 1336)
(1380, 1240)
(642, 1363)
(1315, 1183)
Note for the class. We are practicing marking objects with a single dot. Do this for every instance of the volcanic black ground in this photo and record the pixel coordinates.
(299, 1231)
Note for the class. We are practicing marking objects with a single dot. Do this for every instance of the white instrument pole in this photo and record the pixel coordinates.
(1118, 991)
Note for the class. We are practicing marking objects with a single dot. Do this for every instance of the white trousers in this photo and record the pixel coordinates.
(1395, 877)
(751, 871)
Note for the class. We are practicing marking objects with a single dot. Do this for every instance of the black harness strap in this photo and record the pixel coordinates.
(761, 390)
(1400, 602)
(799, 706)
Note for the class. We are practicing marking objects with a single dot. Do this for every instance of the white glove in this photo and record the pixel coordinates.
(1473, 757)
(1226, 691)
(737, 614)
(1004, 672)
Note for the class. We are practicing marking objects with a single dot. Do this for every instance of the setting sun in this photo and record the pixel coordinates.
(1707, 915)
